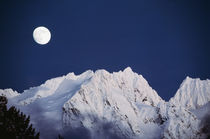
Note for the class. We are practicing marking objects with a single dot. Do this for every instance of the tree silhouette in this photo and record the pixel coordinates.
(14, 124)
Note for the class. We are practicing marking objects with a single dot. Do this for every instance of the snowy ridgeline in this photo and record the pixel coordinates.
(114, 105)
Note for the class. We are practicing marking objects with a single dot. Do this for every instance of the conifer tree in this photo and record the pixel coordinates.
(14, 124)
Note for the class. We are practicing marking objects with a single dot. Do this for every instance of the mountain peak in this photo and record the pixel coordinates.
(101, 72)
(188, 79)
(128, 69)
(197, 89)
(9, 93)
(119, 103)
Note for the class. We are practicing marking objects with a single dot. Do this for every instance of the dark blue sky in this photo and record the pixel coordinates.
(164, 40)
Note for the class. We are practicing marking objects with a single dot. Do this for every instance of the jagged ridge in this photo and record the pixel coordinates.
(120, 103)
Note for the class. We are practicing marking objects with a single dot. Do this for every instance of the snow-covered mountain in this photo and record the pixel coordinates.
(114, 105)
(193, 93)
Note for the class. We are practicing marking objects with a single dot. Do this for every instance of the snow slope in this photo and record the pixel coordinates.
(113, 105)
(9, 93)
(193, 93)
(122, 98)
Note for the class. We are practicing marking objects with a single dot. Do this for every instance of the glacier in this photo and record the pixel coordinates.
(114, 105)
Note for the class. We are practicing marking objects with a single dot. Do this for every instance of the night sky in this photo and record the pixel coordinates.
(164, 40)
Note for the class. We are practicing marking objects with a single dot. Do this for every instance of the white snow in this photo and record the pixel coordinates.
(192, 94)
(9, 93)
(120, 103)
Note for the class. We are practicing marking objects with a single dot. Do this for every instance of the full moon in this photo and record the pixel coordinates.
(41, 35)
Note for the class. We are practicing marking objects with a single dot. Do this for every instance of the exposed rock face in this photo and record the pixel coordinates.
(115, 105)
(192, 94)
(121, 99)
